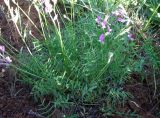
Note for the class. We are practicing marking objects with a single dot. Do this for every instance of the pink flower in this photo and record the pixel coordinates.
(108, 30)
(101, 38)
(122, 20)
(103, 24)
(98, 19)
(120, 12)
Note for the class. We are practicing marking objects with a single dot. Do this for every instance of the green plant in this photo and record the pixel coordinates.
(72, 65)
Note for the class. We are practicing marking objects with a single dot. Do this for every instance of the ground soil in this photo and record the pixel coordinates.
(15, 99)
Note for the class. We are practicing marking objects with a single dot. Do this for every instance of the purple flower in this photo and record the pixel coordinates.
(101, 38)
(8, 59)
(122, 20)
(131, 36)
(120, 12)
(108, 30)
(98, 19)
(2, 48)
(104, 24)
(122, 15)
